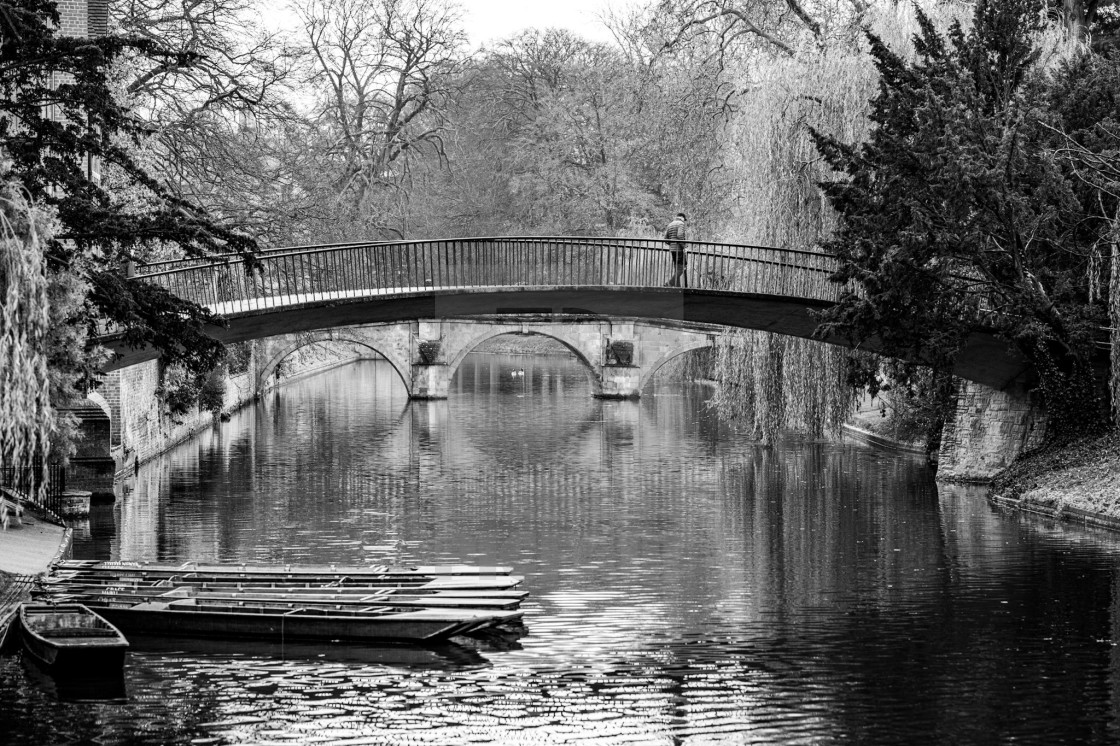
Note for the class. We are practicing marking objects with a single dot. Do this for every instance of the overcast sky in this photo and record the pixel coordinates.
(487, 20)
(490, 20)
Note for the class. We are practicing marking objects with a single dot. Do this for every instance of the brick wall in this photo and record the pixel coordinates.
(73, 17)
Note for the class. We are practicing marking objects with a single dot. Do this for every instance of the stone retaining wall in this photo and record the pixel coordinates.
(989, 431)
(144, 429)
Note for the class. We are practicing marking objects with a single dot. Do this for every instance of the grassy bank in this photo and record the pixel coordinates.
(1080, 479)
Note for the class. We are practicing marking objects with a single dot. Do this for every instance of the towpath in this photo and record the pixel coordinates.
(27, 549)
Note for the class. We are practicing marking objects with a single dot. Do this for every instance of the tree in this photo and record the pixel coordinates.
(576, 131)
(57, 117)
(24, 326)
(1086, 95)
(1088, 18)
(385, 69)
(555, 135)
(780, 25)
(957, 212)
(216, 109)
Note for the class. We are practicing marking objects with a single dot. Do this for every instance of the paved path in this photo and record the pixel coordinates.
(27, 549)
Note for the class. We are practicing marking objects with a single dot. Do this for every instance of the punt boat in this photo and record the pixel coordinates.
(71, 636)
(425, 582)
(119, 567)
(223, 618)
(318, 597)
(55, 588)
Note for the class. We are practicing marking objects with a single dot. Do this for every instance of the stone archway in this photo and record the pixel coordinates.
(473, 343)
(651, 370)
(268, 369)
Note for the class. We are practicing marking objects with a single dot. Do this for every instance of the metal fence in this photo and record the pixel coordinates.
(315, 273)
(36, 485)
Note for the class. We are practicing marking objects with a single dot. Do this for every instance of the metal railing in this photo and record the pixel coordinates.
(27, 481)
(315, 273)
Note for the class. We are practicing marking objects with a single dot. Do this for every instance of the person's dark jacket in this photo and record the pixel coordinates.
(675, 233)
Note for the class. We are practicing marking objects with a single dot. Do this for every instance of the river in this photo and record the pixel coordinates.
(687, 586)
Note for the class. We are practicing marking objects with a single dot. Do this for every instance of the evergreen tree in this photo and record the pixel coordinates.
(958, 212)
(59, 122)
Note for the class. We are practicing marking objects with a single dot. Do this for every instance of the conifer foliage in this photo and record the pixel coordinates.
(58, 123)
(958, 210)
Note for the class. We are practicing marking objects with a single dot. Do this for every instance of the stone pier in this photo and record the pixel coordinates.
(988, 431)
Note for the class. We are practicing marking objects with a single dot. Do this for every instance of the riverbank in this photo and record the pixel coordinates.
(1079, 481)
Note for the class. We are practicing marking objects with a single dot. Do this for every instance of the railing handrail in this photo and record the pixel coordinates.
(214, 258)
(651, 244)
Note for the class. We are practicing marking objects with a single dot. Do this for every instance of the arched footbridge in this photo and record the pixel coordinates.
(323, 287)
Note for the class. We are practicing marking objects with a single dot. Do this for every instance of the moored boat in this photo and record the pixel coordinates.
(57, 588)
(305, 596)
(71, 636)
(152, 569)
(339, 580)
(224, 618)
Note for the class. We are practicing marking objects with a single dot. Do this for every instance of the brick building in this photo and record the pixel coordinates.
(83, 17)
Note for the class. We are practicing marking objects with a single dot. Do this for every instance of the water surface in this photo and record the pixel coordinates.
(688, 586)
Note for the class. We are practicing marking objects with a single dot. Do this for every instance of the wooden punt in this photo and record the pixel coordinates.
(498, 598)
(425, 582)
(120, 567)
(307, 597)
(71, 636)
(195, 617)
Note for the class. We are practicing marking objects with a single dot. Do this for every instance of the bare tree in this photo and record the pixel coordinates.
(780, 24)
(213, 104)
(225, 61)
(380, 72)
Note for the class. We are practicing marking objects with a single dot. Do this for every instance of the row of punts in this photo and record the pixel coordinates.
(82, 610)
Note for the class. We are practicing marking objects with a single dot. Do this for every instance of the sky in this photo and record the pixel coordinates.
(487, 20)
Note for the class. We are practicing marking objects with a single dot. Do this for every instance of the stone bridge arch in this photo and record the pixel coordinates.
(382, 343)
(650, 371)
(595, 343)
(572, 344)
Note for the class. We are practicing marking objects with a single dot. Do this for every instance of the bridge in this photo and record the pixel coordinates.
(620, 356)
(316, 288)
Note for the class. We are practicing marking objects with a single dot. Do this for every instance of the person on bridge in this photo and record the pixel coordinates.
(675, 236)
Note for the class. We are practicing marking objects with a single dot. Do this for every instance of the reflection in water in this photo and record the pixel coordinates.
(445, 656)
(687, 585)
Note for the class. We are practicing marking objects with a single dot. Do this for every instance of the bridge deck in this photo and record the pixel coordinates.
(310, 288)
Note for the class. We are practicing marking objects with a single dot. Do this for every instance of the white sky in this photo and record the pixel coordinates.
(489, 20)
(493, 20)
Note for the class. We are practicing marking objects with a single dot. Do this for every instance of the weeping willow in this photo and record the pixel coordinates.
(771, 383)
(25, 413)
(1114, 320)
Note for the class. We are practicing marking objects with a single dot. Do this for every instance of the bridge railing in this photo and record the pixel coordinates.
(316, 273)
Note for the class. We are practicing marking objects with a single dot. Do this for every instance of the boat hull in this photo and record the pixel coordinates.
(181, 619)
(71, 637)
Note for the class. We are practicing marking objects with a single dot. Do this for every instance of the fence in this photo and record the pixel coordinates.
(316, 273)
(28, 480)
